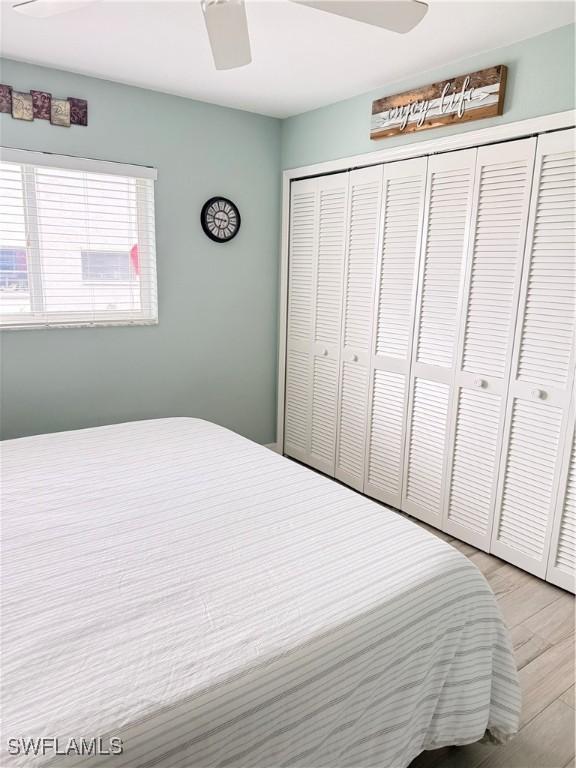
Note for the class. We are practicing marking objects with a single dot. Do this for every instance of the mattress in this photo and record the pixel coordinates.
(203, 601)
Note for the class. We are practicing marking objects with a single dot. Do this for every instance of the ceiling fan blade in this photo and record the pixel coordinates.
(228, 32)
(395, 15)
(41, 9)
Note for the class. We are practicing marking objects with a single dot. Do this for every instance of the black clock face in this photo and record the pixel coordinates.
(220, 219)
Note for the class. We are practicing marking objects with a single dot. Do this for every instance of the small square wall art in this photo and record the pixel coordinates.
(78, 111)
(41, 104)
(60, 114)
(22, 108)
(6, 99)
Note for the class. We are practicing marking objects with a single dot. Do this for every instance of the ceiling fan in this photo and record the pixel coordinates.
(228, 28)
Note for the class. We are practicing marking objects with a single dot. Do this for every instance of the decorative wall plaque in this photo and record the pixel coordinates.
(457, 100)
(78, 111)
(22, 108)
(41, 103)
(6, 99)
(60, 113)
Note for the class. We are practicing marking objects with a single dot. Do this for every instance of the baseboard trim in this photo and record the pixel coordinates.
(273, 447)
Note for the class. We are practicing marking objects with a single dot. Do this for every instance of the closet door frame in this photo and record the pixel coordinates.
(463, 140)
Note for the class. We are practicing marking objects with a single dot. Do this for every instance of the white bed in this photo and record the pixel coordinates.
(213, 604)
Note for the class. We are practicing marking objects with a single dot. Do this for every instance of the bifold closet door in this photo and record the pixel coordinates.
(542, 366)
(562, 560)
(364, 204)
(403, 193)
(450, 183)
(501, 202)
(316, 260)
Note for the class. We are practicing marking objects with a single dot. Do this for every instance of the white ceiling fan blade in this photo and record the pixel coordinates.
(228, 32)
(41, 9)
(395, 15)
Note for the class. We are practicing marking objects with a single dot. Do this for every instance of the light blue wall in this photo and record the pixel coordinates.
(213, 353)
(540, 82)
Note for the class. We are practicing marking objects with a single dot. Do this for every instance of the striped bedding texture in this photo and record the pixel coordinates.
(211, 603)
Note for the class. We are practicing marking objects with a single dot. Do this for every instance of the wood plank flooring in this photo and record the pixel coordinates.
(541, 621)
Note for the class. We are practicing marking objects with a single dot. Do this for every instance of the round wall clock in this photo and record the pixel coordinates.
(220, 219)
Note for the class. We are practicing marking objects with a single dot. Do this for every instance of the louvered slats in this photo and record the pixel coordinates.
(331, 242)
(565, 558)
(354, 387)
(403, 200)
(324, 400)
(426, 451)
(529, 477)
(387, 419)
(549, 320)
(446, 230)
(365, 195)
(475, 457)
(362, 240)
(297, 420)
(503, 194)
(301, 264)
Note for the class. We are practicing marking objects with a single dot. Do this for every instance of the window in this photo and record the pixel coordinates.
(77, 242)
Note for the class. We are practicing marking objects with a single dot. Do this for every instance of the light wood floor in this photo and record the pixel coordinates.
(541, 621)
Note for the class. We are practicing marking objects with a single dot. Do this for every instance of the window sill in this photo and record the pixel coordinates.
(75, 324)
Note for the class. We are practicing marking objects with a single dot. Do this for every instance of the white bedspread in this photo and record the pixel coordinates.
(214, 604)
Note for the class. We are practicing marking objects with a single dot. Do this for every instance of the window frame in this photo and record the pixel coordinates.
(30, 160)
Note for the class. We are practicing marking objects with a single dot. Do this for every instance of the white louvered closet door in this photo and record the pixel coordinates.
(503, 181)
(450, 181)
(364, 203)
(303, 248)
(543, 363)
(562, 560)
(317, 248)
(327, 316)
(403, 193)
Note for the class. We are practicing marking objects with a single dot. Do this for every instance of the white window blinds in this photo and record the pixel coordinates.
(77, 242)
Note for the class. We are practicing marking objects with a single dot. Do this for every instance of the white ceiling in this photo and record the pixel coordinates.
(302, 58)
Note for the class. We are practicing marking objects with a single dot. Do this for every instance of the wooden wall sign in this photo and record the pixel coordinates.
(458, 100)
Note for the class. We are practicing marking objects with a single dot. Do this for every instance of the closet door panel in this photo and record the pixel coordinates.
(543, 364)
(501, 197)
(404, 187)
(301, 279)
(562, 560)
(426, 448)
(315, 274)
(450, 180)
(364, 203)
(332, 227)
